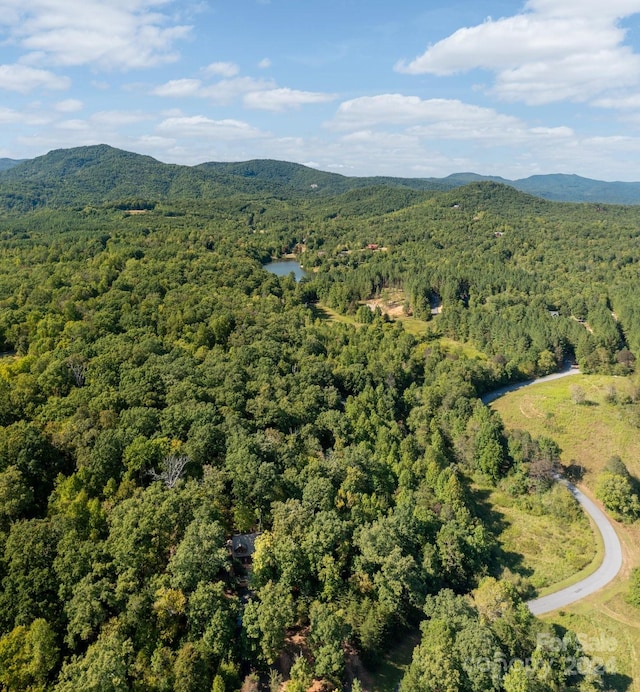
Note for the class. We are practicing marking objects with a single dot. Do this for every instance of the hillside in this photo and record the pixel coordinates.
(102, 174)
(574, 188)
(560, 187)
(5, 164)
(98, 174)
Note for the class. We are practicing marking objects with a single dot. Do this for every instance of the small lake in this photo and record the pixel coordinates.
(285, 267)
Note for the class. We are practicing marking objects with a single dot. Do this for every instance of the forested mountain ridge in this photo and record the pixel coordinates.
(98, 174)
(303, 178)
(5, 164)
(101, 173)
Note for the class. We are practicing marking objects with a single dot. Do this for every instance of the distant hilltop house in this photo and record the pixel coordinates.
(554, 313)
(242, 547)
(372, 246)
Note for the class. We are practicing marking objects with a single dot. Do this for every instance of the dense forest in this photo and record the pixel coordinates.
(205, 484)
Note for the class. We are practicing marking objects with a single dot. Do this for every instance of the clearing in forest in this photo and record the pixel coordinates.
(605, 424)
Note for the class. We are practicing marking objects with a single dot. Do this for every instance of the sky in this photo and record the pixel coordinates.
(413, 88)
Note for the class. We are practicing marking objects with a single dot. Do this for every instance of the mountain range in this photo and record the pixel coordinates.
(100, 173)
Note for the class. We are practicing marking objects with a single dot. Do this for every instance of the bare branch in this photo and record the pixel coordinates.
(78, 370)
(171, 470)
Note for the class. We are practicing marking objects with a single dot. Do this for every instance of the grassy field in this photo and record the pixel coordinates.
(412, 325)
(589, 434)
(540, 548)
(325, 313)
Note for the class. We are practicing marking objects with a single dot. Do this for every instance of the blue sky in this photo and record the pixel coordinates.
(359, 87)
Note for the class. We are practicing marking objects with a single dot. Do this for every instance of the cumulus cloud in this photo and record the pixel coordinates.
(451, 116)
(399, 123)
(260, 94)
(75, 125)
(264, 64)
(179, 88)
(619, 101)
(23, 79)
(224, 92)
(224, 69)
(69, 106)
(279, 100)
(9, 116)
(201, 126)
(553, 50)
(228, 90)
(116, 118)
(111, 34)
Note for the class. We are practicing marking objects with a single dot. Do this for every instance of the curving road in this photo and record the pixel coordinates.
(612, 560)
(611, 563)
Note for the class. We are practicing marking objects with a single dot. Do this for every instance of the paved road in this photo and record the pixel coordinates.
(612, 560)
(497, 393)
(611, 563)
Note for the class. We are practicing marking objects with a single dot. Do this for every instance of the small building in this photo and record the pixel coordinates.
(243, 546)
(554, 313)
(372, 246)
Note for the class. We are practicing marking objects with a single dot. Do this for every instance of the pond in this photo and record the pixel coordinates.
(285, 267)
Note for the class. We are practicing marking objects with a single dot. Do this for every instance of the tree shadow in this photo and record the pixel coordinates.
(611, 680)
(574, 472)
(495, 523)
(616, 681)
(318, 312)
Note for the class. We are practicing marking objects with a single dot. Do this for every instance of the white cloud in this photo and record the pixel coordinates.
(459, 120)
(9, 116)
(228, 90)
(69, 106)
(75, 124)
(224, 69)
(279, 100)
(201, 126)
(24, 79)
(112, 34)
(575, 77)
(261, 94)
(111, 119)
(178, 88)
(264, 64)
(156, 141)
(561, 8)
(398, 125)
(554, 50)
(224, 92)
(622, 102)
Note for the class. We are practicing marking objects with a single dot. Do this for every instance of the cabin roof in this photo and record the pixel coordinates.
(243, 545)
